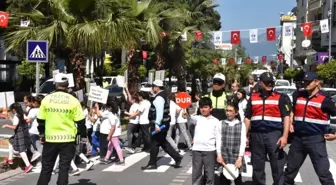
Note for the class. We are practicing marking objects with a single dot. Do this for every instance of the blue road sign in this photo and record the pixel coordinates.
(37, 51)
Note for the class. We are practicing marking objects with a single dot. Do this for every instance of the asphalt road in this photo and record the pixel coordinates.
(5, 131)
(165, 175)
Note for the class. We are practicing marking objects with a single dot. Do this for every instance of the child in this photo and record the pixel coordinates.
(207, 134)
(20, 141)
(114, 133)
(233, 142)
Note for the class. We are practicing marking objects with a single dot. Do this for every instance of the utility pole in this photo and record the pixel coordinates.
(330, 26)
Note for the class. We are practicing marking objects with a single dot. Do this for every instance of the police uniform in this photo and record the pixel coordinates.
(311, 122)
(266, 113)
(159, 139)
(218, 99)
(57, 116)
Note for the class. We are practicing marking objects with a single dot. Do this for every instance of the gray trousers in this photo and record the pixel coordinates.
(181, 128)
(206, 160)
(170, 139)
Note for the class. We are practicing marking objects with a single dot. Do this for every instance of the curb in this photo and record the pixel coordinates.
(10, 174)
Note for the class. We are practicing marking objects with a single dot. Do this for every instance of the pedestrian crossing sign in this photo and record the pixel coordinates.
(37, 51)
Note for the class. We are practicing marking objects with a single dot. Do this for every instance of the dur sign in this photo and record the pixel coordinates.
(97, 94)
(183, 100)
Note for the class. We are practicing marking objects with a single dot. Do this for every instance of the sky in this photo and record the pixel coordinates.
(251, 14)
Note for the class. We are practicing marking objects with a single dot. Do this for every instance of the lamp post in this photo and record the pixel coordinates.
(330, 26)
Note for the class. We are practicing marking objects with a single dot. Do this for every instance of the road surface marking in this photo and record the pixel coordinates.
(332, 168)
(129, 161)
(164, 164)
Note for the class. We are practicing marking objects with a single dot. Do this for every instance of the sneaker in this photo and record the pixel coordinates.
(105, 161)
(121, 163)
(9, 161)
(35, 156)
(89, 165)
(28, 168)
(75, 172)
(130, 150)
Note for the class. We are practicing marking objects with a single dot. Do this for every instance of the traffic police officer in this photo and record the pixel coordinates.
(312, 111)
(268, 116)
(57, 116)
(218, 97)
(158, 116)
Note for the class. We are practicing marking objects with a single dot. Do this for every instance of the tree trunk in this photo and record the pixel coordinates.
(133, 73)
(77, 60)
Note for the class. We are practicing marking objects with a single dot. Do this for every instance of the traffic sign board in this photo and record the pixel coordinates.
(37, 51)
(183, 100)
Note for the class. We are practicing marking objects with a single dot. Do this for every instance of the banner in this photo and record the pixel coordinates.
(218, 39)
(322, 57)
(254, 36)
(324, 26)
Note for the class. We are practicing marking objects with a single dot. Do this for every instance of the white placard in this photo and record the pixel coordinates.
(80, 95)
(55, 72)
(10, 98)
(98, 94)
(160, 75)
(150, 77)
(2, 100)
(70, 80)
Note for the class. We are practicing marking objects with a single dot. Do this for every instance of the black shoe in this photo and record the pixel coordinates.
(149, 167)
(145, 150)
(178, 162)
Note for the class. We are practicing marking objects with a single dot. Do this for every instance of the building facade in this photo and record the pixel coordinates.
(314, 11)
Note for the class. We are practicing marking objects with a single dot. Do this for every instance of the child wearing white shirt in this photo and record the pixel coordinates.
(207, 135)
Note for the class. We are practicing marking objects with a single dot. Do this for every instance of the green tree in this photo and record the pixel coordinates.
(327, 70)
(28, 69)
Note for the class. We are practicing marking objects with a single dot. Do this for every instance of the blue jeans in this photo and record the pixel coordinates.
(95, 142)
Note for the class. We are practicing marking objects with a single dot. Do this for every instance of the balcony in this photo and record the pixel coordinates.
(315, 5)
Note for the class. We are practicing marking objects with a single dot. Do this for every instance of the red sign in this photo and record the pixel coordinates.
(183, 100)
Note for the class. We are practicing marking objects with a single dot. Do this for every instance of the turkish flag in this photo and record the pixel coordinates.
(264, 59)
(235, 37)
(280, 57)
(215, 61)
(307, 29)
(231, 61)
(271, 34)
(144, 55)
(4, 19)
(199, 35)
(248, 60)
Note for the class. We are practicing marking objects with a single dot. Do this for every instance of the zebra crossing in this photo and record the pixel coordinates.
(165, 162)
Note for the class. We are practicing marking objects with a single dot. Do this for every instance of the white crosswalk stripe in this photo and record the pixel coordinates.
(164, 163)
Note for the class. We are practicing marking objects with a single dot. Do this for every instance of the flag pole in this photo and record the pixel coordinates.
(330, 28)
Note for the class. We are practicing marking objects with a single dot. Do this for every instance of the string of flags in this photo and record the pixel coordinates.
(247, 60)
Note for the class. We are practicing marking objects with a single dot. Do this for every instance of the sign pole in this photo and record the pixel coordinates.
(37, 77)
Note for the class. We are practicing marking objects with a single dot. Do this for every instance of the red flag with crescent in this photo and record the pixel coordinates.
(248, 60)
(264, 59)
(235, 37)
(4, 19)
(231, 61)
(271, 34)
(307, 29)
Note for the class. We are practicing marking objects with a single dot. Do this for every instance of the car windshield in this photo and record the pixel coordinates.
(282, 83)
(285, 90)
(331, 93)
(115, 89)
(47, 87)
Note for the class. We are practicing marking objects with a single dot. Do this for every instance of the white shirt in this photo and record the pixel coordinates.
(88, 123)
(180, 118)
(33, 124)
(173, 108)
(134, 108)
(96, 126)
(207, 133)
(242, 107)
(242, 137)
(144, 110)
(106, 125)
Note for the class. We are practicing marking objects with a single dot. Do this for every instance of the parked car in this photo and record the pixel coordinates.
(281, 83)
(332, 93)
(118, 93)
(288, 90)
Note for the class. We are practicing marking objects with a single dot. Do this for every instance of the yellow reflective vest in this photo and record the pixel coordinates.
(60, 110)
